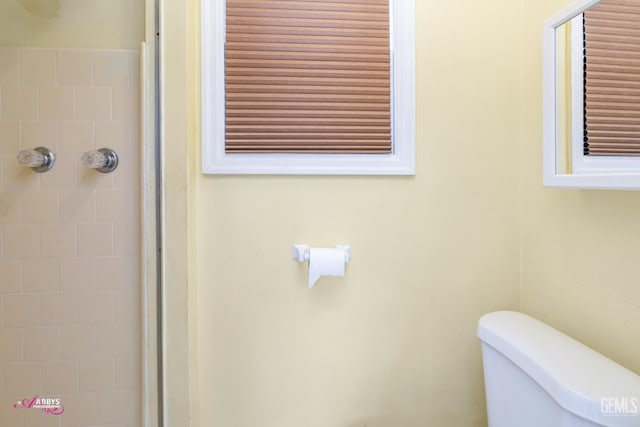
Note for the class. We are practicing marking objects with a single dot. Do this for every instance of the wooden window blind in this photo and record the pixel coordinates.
(612, 79)
(307, 76)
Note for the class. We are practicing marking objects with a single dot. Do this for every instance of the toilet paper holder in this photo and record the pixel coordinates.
(301, 252)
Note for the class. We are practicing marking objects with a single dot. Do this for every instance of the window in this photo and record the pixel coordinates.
(590, 96)
(606, 82)
(308, 87)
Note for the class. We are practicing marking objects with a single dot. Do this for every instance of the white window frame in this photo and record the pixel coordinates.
(400, 162)
(585, 173)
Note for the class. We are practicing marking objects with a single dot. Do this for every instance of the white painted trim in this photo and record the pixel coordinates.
(595, 181)
(595, 177)
(577, 91)
(176, 33)
(400, 162)
(148, 232)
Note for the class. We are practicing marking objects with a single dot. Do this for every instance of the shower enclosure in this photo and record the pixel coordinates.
(76, 286)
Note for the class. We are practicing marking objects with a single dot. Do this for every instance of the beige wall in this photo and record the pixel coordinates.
(392, 343)
(72, 23)
(580, 248)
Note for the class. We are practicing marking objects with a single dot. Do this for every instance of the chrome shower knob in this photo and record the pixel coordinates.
(103, 160)
(40, 159)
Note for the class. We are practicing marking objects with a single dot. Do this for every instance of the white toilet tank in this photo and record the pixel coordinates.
(535, 376)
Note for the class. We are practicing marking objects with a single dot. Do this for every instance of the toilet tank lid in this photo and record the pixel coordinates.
(577, 377)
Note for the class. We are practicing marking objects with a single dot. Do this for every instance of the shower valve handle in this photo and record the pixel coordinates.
(103, 160)
(40, 159)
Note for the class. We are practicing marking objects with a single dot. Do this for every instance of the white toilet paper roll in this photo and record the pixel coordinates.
(325, 262)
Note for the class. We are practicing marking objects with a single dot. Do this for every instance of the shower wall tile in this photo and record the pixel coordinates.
(127, 178)
(59, 376)
(119, 135)
(58, 240)
(59, 309)
(115, 340)
(74, 68)
(9, 135)
(19, 102)
(35, 419)
(21, 378)
(93, 103)
(126, 371)
(77, 342)
(116, 406)
(16, 177)
(39, 419)
(125, 104)
(88, 178)
(35, 133)
(22, 310)
(41, 344)
(76, 273)
(75, 137)
(10, 206)
(11, 418)
(134, 70)
(2, 384)
(63, 175)
(95, 239)
(11, 348)
(21, 241)
(111, 69)
(125, 302)
(70, 237)
(56, 103)
(95, 307)
(96, 374)
(37, 67)
(40, 207)
(115, 205)
(11, 274)
(9, 66)
(116, 272)
(125, 240)
(77, 206)
(40, 274)
(80, 409)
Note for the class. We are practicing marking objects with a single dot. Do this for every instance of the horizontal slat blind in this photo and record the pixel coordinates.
(305, 76)
(612, 79)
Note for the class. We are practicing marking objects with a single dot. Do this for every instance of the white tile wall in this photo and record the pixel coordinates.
(69, 238)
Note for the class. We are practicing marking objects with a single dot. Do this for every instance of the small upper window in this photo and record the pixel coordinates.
(591, 95)
(308, 87)
(605, 59)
